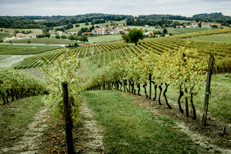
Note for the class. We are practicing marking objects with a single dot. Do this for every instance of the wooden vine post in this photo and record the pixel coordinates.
(207, 89)
(150, 86)
(185, 89)
(68, 120)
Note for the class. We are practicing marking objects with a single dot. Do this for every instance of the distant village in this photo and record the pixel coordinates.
(106, 30)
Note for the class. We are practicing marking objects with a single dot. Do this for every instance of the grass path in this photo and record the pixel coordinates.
(90, 138)
(29, 143)
(15, 120)
(129, 128)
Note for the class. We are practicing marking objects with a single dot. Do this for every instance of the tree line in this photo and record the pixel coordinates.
(53, 21)
(168, 20)
(97, 18)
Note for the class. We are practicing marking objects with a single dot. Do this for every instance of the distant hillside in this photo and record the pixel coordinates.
(48, 22)
(18, 22)
(213, 17)
(53, 21)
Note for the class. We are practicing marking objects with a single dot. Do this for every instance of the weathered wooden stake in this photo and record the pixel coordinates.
(150, 86)
(68, 120)
(207, 90)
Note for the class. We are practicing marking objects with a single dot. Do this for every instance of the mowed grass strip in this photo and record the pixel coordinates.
(15, 118)
(105, 38)
(219, 38)
(2, 35)
(44, 41)
(129, 128)
(25, 50)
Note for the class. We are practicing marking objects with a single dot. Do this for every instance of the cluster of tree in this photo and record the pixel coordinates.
(94, 18)
(72, 37)
(53, 21)
(156, 20)
(213, 17)
(161, 33)
(66, 27)
(133, 36)
(85, 29)
(26, 32)
(15, 22)
(140, 21)
(73, 45)
(81, 18)
(167, 20)
(48, 35)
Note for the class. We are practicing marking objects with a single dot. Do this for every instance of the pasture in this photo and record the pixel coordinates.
(219, 38)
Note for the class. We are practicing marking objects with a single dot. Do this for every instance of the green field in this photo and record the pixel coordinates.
(2, 35)
(183, 21)
(81, 25)
(133, 129)
(191, 30)
(24, 50)
(35, 60)
(220, 38)
(149, 28)
(33, 30)
(186, 30)
(44, 41)
(15, 118)
(104, 38)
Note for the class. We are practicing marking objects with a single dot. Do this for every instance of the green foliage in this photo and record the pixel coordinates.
(165, 31)
(63, 36)
(64, 68)
(2, 35)
(25, 50)
(83, 39)
(18, 22)
(57, 36)
(125, 38)
(73, 37)
(36, 60)
(15, 85)
(134, 36)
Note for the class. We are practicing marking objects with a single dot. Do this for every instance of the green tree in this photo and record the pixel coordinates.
(57, 36)
(165, 31)
(83, 39)
(126, 38)
(63, 36)
(135, 35)
(80, 33)
(71, 37)
(45, 30)
(76, 38)
(48, 35)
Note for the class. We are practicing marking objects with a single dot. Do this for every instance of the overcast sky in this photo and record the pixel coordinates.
(129, 7)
